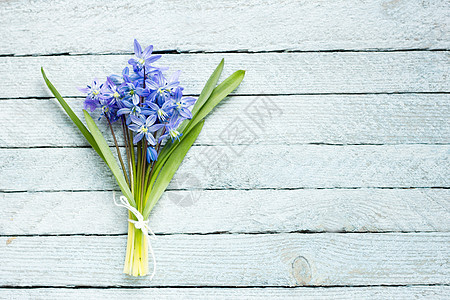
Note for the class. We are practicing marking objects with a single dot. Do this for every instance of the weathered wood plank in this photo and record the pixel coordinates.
(358, 210)
(77, 26)
(385, 292)
(240, 167)
(267, 73)
(232, 260)
(334, 119)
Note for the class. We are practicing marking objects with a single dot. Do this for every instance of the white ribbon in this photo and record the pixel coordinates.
(139, 224)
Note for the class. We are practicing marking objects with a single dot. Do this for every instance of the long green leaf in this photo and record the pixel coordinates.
(208, 88)
(220, 92)
(109, 157)
(204, 95)
(170, 167)
(72, 115)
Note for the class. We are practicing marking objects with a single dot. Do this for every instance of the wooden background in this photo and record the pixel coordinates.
(324, 175)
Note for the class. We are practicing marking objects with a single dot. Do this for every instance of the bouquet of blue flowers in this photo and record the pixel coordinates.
(159, 126)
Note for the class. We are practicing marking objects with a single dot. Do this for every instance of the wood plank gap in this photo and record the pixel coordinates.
(241, 189)
(266, 94)
(238, 144)
(220, 287)
(178, 52)
(309, 232)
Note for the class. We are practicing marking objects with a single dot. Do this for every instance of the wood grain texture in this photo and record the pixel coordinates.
(240, 167)
(376, 293)
(232, 260)
(84, 27)
(267, 73)
(339, 210)
(334, 119)
(262, 210)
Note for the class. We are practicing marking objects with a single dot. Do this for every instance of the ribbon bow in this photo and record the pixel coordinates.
(139, 224)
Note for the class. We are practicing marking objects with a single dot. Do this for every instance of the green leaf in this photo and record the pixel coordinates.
(220, 92)
(170, 167)
(204, 95)
(109, 157)
(209, 87)
(72, 115)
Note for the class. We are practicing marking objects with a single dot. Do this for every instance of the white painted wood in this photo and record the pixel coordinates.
(267, 73)
(232, 260)
(240, 167)
(376, 293)
(260, 189)
(36, 27)
(238, 211)
(335, 119)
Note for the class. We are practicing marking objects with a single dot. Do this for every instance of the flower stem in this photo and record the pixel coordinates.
(151, 170)
(127, 147)
(118, 152)
(144, 163)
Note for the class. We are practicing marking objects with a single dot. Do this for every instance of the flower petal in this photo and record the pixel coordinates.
(134, 127)
(185, 113)
(152, 105)
(150, 120)
(136, 120)
(151, 139)
(153, 58)
(147, 52)
(138, 137)
(137, 49)
(175, 76)
(155, 127)
(123, 111)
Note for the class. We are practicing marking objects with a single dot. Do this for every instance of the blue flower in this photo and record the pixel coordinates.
(107, 109)
(144, 128)
(182, 105)
(132, 109)
(112, 93)
(152, 155)
(144, 58)
(94, 93)
(159, 89)
(129, 89)
(171, 129)
(138, 75)
(164, 112)
(90, 104)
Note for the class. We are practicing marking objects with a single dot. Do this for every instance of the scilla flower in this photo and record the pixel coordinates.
(152, 155)
(93, 91)
(144, 128)
(171, 130)
(107, 109)
(143, 58)
(159, 88)
(164, 112)
(93, 96)
(132, 109)
(128, 88)
(111, 92)
(181, 105)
